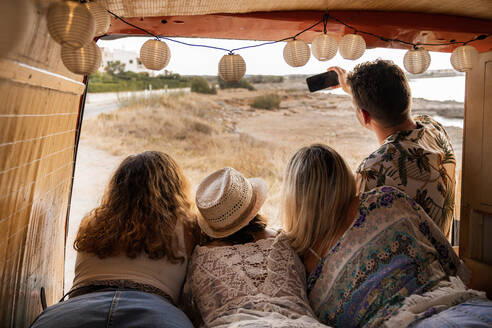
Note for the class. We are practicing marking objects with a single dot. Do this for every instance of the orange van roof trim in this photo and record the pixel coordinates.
(268, 26)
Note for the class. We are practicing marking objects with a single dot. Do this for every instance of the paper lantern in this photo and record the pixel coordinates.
(463, 58)
(296, 53)
(155, 54)
(232, 68)
(84, 61)
(352, 46)
(16, 17)
(416, 61)
(71, 24)
(101, 16)
(324, 47)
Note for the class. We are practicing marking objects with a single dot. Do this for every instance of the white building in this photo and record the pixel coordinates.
(130, 59)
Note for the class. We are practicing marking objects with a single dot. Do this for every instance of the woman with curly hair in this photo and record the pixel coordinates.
(132, 251)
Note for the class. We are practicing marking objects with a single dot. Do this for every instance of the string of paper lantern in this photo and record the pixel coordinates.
(324, 47)
(74, 24)
(417, 58)
(416, 61)
(232, 68)
(84, 61)
(71, 24)
(155, 54)
(352, 46)
(463, 58)
(296, 53)
(101, 17)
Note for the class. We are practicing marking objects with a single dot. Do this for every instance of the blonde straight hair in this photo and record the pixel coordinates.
(318, 188)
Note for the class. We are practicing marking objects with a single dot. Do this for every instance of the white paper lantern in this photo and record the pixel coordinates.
(324, 47)
(101, 16)
(155, 54)
(84, 61)
(71, 24)
(463, 58)
(296, 53)
(232, 68)
(352, 46)
(16, 16)
(416, 61)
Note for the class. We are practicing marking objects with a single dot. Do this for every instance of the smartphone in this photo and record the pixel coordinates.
(322, 81)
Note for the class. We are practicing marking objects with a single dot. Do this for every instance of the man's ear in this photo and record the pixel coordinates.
(366, 116)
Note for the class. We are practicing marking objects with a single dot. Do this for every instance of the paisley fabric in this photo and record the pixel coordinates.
(421, 163)
(392, 251)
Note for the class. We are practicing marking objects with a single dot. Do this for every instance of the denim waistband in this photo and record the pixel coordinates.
(121, 285)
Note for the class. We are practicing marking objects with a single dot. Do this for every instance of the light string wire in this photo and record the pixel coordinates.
(415, 45)
(324, 20)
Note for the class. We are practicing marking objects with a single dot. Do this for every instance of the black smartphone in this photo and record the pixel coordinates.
(322, 81)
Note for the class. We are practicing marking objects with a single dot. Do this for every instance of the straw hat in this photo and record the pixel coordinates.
(228, 202)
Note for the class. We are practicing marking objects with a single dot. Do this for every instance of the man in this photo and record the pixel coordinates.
(415, 155)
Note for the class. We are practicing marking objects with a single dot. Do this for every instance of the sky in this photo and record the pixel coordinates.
(268, 59)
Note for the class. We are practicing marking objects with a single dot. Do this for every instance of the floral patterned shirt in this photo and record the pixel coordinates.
(419, 162)
(393, 252)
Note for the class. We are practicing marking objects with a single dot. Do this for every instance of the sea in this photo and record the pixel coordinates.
(440, 89)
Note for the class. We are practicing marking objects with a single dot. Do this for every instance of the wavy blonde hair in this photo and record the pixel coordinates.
(317, 191)
(141, 206)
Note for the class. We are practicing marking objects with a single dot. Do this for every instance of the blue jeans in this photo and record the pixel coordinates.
(114, 309)
(474, 313)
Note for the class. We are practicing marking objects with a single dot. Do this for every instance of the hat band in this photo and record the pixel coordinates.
(243, 215)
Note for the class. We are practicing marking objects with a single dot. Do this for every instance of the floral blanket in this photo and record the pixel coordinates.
(392, 253)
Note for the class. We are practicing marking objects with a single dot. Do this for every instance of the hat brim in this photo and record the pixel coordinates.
(261, 190)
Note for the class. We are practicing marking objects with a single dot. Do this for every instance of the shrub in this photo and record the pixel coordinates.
(268, 101)
(257, 79)
(131, 81)
(243, 83)
(200, 85)
(200, 127)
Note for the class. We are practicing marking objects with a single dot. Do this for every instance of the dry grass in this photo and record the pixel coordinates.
(190, 128)
(207, 132)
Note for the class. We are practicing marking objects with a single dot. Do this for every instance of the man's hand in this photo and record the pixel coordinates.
(342, 78)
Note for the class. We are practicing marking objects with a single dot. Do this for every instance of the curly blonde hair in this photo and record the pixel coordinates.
(141, 206)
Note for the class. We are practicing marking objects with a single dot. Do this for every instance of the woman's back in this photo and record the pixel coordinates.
(158, 276)
(261, 280)
(132, 252)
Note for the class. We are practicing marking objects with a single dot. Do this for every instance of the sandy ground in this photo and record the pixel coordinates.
(297, 128)
(302, 120)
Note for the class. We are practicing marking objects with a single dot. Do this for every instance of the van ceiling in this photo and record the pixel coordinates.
(410, 27)
(149, 8)
(416, 21)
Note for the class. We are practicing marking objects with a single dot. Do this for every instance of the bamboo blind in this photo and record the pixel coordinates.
(39, 102)
(145, 8)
